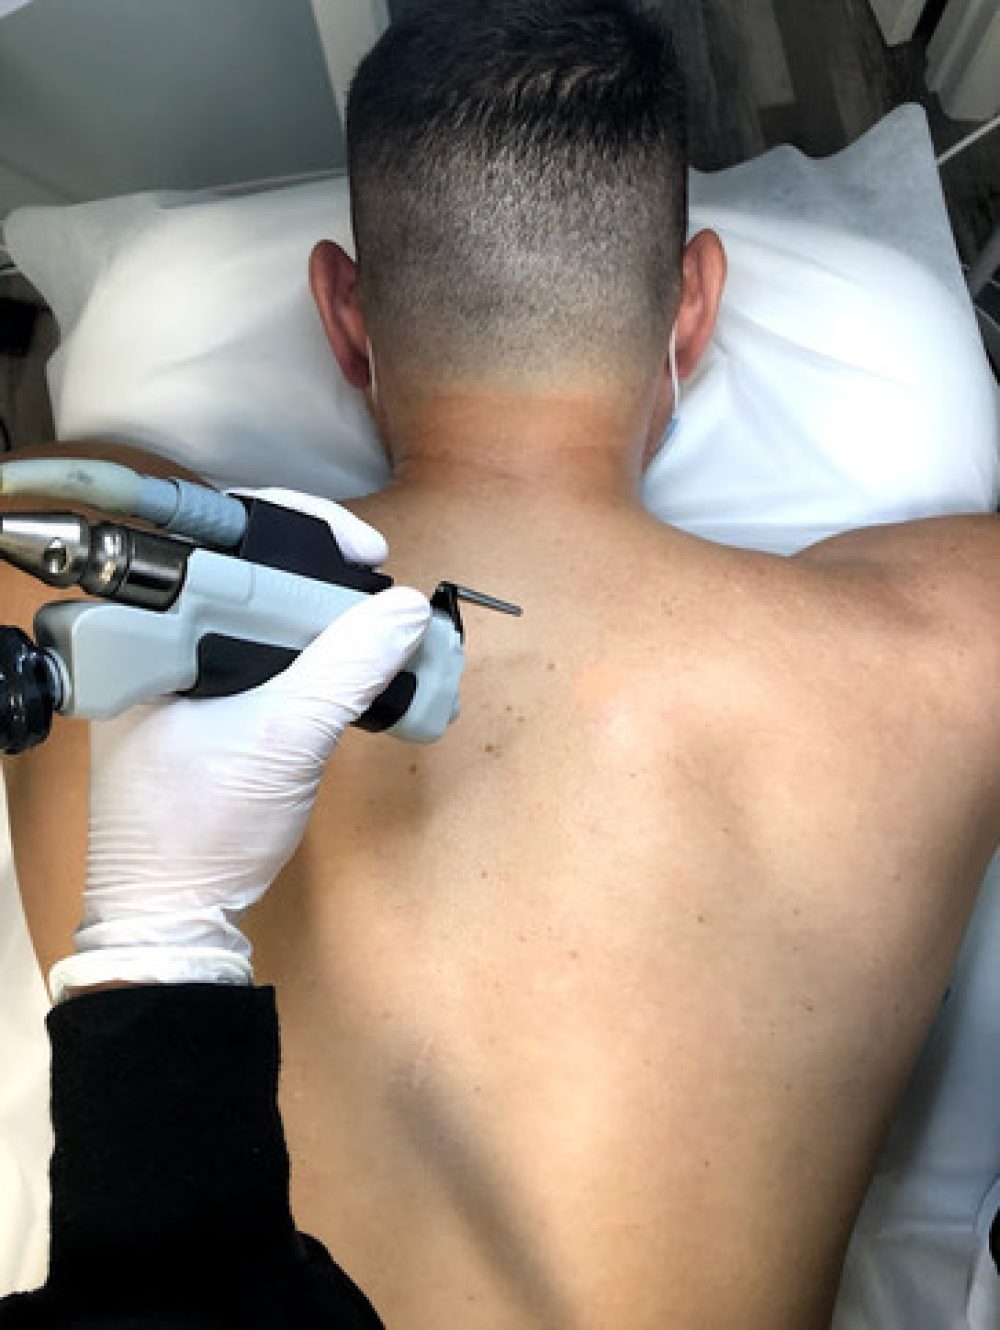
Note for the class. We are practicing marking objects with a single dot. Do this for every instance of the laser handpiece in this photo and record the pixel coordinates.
(110, 560)
(175, 617)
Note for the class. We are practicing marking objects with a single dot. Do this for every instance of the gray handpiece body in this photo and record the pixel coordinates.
(111, 657)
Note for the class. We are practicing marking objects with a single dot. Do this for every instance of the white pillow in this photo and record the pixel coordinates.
(846, 385)
(189, 329)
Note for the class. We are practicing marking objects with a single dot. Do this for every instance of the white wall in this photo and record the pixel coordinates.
(898, 19)
(348, 30)
(103, 97)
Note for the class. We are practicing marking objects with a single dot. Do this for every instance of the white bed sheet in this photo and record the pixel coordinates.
(846, 386)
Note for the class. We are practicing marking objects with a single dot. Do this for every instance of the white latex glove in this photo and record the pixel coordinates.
(195, 806)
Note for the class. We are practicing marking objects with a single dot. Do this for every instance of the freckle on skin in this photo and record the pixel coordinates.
(574, 955)
(489, 749)
(552, 665)
(701, 918)
(414, 769)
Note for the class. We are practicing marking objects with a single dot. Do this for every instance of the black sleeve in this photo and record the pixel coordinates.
(170, 1173)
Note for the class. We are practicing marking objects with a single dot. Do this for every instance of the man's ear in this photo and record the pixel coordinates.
(333, 279)
(704, 279)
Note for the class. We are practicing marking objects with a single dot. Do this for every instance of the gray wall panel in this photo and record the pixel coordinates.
(103, 97)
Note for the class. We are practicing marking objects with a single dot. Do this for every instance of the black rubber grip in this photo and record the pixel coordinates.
(297, 543)
(231, 665)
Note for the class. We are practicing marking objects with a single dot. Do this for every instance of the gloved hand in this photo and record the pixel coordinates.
(195, 806)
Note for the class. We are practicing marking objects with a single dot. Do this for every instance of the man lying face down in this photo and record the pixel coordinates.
(595, 1013)
(519, 189)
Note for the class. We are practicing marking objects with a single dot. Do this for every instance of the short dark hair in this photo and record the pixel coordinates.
(519, 185)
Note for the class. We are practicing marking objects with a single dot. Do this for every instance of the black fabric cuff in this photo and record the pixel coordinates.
(170, 1159)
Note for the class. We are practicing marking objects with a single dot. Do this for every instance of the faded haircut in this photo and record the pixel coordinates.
(519, 188)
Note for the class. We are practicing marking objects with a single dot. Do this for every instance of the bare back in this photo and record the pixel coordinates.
(594, 1014)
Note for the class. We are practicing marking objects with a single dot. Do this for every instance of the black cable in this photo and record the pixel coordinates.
(5, 438)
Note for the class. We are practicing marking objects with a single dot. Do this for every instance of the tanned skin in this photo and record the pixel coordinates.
(595, 1013)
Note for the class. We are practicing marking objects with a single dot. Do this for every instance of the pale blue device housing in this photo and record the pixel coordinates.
(111, 657)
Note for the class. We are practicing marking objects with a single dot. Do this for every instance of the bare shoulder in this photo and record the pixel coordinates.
(944, 544)
(933, 588)
(941, 575)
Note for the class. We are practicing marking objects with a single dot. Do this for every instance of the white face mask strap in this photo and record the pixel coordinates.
(675, 377)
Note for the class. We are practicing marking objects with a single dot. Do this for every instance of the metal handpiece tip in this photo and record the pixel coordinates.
(49, 546)
(488, 602)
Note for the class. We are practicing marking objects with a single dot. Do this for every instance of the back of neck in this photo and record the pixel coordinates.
(574, 447)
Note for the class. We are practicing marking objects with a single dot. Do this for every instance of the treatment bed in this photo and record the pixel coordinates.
(846, 386)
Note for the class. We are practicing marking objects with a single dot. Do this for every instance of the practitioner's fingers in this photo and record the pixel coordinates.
(339, 675)
(359, 542)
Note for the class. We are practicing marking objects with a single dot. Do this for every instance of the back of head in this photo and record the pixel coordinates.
(519, 184)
